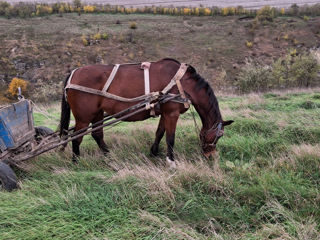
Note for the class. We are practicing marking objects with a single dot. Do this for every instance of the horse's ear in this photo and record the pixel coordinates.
(226, 123)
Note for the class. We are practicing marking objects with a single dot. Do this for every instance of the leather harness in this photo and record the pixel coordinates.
(150, 96)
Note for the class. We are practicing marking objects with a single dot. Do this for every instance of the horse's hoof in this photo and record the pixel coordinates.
(170, 164)
(75, 161)
(154, 151)
(105, 152)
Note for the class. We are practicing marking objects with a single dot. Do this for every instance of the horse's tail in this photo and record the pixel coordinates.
(65, 113)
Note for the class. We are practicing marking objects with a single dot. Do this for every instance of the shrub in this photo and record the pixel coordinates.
(207, 11)
(3, 7)
(306, 18)
(304, 71)
(89, 9)
(43, 10)
(97, 36)
(133, 25)
(296, 71)
(254, 77)
(15, 84)
(266, 13)
(46, 92)
(249, 44)
(84, 40)
(105, 36)
(77, 4)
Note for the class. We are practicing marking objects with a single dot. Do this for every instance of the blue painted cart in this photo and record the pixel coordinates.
(18, 138)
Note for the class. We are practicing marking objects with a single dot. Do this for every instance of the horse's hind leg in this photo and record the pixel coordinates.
(76, 142)
(159, 134)
(98, 135)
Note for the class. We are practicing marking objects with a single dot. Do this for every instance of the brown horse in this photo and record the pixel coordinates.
(129, 83)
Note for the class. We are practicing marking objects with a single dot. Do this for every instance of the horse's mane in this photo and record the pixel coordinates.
(202, 84)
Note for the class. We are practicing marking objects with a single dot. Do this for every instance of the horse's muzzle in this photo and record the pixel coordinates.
(209, 149)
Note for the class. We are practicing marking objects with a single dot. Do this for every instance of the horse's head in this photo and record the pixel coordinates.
(209, 138)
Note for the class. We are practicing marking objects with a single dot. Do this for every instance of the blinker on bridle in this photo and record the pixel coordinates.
(217, 129)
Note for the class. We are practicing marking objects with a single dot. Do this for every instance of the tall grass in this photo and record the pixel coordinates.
(267, 185)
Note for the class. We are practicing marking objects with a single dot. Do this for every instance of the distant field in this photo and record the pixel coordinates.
(226, 3)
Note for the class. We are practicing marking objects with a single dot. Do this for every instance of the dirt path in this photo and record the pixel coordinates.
(219, 3)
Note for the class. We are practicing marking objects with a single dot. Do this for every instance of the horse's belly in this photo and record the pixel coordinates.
(138, 117)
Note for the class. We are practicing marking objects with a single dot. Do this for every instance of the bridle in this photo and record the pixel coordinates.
(215, 127)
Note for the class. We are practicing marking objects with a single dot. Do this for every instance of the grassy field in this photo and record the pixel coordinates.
(267, 186)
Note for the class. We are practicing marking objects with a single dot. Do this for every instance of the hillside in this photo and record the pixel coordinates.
(267, 186)
(42, 50)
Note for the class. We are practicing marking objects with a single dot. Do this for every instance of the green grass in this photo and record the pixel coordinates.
(267, 186)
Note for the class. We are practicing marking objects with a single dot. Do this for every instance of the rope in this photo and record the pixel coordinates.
(196, 127)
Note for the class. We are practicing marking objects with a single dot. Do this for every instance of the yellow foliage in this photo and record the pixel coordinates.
(293, 52)
(232, 10)
(266, 13)
(84, 40)
(285, 37)
(89, 8)
(105, 36)
(97, 36)
(249, 44)
(15, 83)
(282, 11)
(225, 11)
(197, 11)
(186, 11)
(43, 9)
(207, 11)
(61, 9)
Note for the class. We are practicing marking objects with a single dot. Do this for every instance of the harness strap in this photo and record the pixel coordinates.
(146, 66)
(68, 83)
(110, 95)
(111, 77)
(176, 81)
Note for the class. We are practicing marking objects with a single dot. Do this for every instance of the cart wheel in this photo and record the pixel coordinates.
(42, 132)
(8, 179)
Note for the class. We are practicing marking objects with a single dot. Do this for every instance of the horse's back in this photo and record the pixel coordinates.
(128, 82)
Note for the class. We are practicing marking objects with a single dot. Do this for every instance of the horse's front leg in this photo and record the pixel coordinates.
(159, 134)
(170, 128)
(76, 142)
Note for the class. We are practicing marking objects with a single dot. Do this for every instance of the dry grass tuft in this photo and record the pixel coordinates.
(306, 149)
(167, 227)
(284, 224)
(159, 181)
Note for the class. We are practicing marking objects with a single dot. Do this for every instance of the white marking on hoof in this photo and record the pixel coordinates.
(171, 164)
